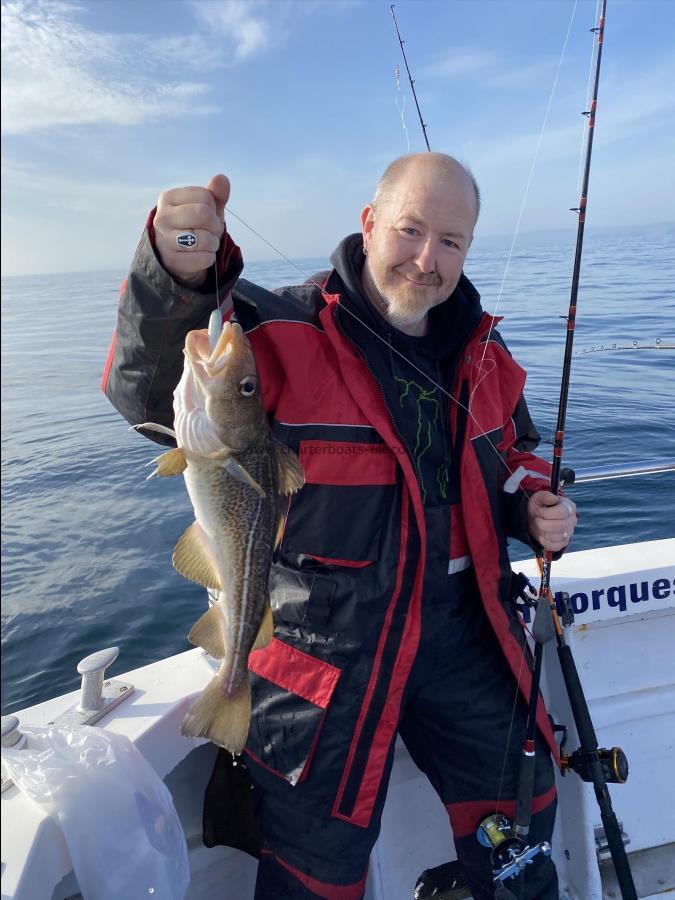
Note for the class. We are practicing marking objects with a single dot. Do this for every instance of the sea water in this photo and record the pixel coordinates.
(87, 542)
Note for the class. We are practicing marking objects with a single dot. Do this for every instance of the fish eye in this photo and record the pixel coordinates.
(248, 385)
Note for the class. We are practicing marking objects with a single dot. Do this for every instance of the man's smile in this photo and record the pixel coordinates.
(419, 282)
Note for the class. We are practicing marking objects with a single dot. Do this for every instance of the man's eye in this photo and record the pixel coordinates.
(410, 230)
(449, 243)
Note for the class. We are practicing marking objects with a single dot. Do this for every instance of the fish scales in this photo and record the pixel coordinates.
(235, 473)
(241, 526)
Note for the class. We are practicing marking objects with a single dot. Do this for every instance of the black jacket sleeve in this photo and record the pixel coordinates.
(145, 361)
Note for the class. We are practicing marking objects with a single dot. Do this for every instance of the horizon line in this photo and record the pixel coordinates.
(498, 236)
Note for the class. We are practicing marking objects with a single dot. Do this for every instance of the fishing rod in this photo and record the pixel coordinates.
(410, 79)
(510, 851)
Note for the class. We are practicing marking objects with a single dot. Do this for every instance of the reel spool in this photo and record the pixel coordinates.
(614, 764)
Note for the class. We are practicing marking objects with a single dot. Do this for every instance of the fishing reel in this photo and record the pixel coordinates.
(614, 763)
(526, 597)
(510, 854)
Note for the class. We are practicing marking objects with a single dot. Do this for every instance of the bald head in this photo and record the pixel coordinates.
(436, 166)
(416, 234)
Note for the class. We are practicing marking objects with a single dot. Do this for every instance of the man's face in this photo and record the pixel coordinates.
(416, 244)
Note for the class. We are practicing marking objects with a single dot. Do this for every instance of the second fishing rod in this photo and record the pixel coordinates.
(593, 764)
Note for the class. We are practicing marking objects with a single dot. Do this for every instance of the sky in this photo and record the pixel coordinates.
(106, 103)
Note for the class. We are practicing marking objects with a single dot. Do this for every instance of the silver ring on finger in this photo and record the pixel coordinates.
(186, 239)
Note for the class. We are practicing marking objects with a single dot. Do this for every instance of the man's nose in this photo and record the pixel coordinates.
(426, 258)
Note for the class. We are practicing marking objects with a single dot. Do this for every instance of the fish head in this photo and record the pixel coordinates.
(218, 402)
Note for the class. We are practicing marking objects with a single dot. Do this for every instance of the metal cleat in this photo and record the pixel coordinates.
(97, 696)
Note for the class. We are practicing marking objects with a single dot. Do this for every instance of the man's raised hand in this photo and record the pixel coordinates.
(189, 225)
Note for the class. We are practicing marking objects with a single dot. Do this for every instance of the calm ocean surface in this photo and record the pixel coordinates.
(87, 542)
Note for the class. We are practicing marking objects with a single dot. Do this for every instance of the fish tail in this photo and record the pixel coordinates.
(222, 719)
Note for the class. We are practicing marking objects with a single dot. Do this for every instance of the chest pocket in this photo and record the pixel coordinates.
(338, 515)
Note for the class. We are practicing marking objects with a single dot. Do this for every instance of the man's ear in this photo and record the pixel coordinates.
(367, 223)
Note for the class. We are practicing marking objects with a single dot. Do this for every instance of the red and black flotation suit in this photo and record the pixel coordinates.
(347, 583)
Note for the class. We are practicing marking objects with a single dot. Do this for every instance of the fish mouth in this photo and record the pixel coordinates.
(212, 362)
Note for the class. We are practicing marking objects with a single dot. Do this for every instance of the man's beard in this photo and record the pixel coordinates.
(403, 306)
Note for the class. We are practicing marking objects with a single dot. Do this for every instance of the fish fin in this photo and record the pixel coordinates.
(173, 462)
(235, 468)
(291, 473)
(153, 426)
(222, 719)
(266, 632)
(207, 632)
(280, 530)
(191, 559)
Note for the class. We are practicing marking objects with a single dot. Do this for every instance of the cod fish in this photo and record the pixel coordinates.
(236, 474)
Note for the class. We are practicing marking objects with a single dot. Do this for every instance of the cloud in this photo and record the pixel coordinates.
(55, 72)
(519, 76)
(631, 145)
(67, 222)
(238, 22)
(73, 194)
(487, 69)
(248, 27)
(58, 72)
(460, 62)
(61, 223)
(630, 106)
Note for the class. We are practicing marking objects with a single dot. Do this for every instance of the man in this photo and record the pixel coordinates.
(391, 589)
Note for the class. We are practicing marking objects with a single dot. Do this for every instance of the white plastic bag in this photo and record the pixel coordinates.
(117, 815)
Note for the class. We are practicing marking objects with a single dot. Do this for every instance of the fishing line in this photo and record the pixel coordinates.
(467, 409)
(527, 186)
(577, 377)
(482, 362)
(310, 280)
(658, 344)
(510, 731)
(401, 109)
(544, 567)
(481, 367)
(589, 91)
(553, 628)
(215, 269)
(532, 167)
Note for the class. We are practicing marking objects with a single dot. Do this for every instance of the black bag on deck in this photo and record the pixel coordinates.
(230, 804)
